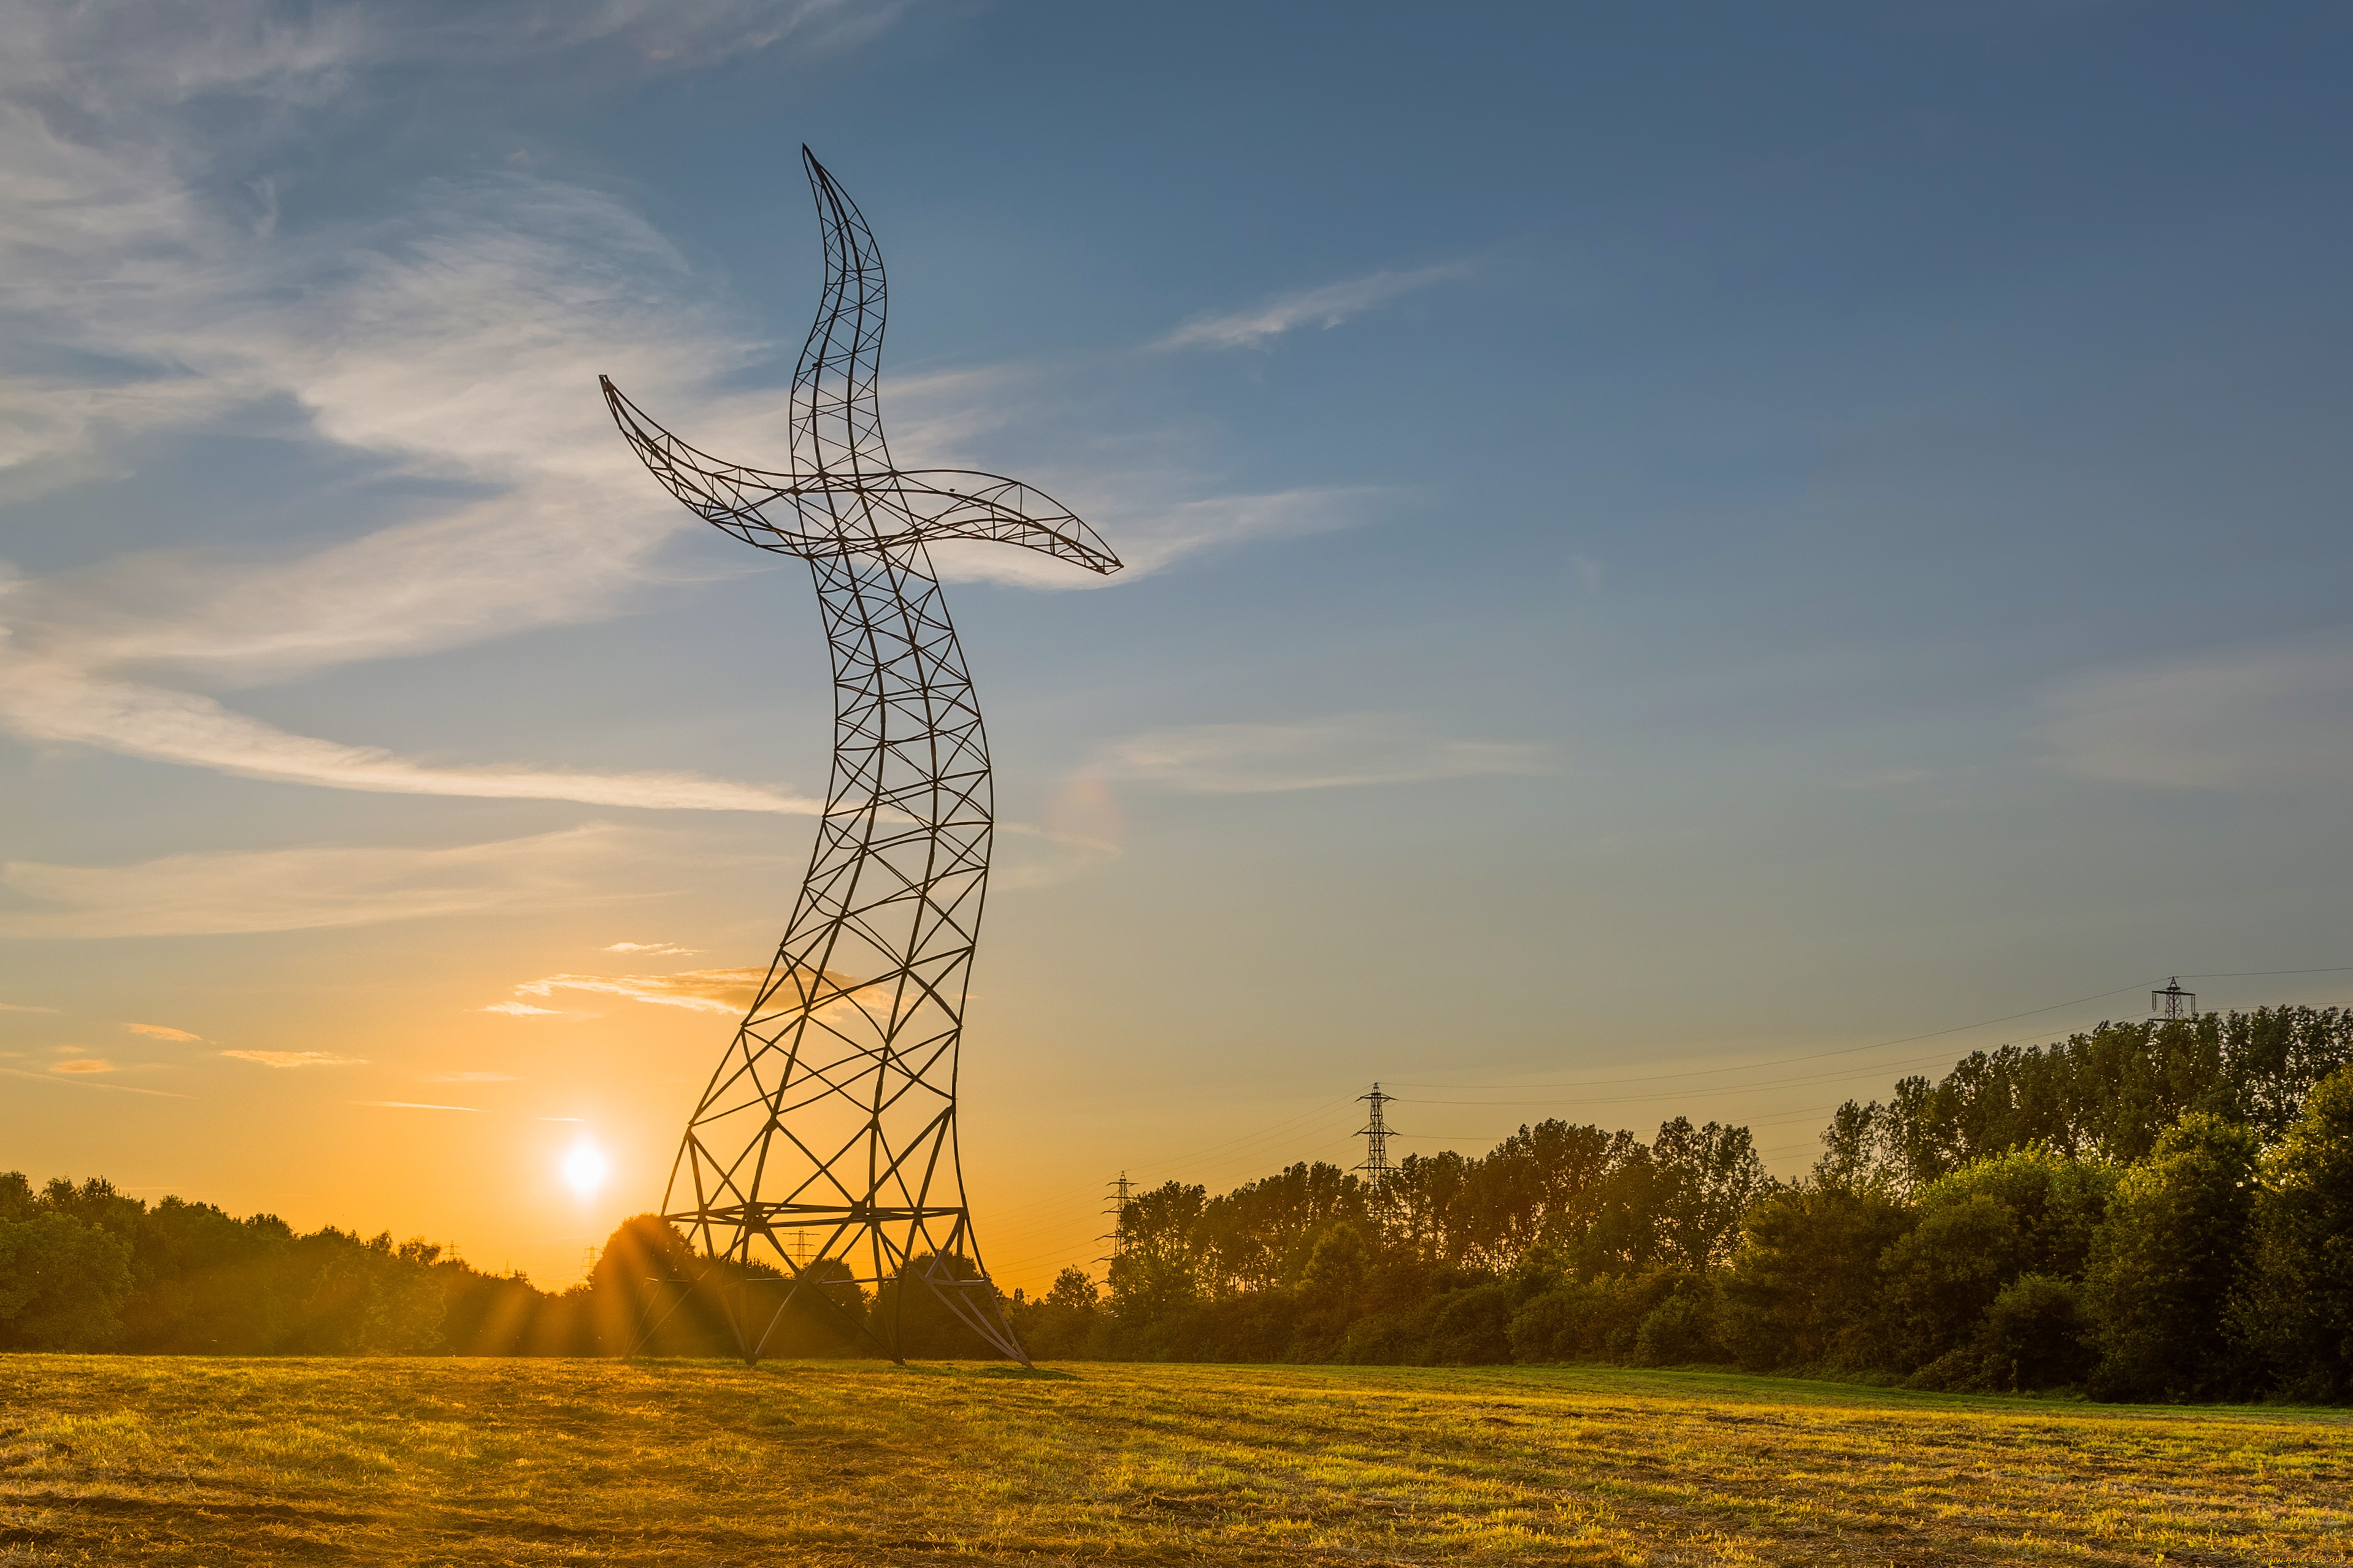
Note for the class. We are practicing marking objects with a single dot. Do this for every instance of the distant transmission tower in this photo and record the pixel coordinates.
(824, 1147)
(2173, 1003)
(1122, 1191)
(1377, 1168)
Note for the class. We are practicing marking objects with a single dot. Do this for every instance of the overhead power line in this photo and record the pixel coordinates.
(1881, 1045)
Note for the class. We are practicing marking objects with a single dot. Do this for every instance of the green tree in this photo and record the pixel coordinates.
(367, 1297)
(2299, 1311)
(2031, 1211)
(1802, 1290)
(208, 1284)
(61, 1283)
(1064, 1321)
(1856, 1156)
(2111, 1092)
(1708, 1177)
(1157, 1268)
(2168, 1259)
(1335, 1272)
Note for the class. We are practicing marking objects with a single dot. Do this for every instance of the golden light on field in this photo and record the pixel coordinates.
(584, 1169)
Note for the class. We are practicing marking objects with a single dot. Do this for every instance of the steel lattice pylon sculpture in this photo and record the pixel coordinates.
(831, 1121)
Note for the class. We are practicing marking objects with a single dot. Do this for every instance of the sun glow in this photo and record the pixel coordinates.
(585, 1169)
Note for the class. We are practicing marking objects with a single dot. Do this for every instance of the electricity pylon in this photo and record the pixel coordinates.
(824, 1145)
(1122, 1190)
(2172, 1004)
(1376, 1134)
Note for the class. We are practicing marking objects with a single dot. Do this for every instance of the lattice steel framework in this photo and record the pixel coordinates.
(831, 1121)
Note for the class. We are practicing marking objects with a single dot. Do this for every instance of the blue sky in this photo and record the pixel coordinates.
(1664, 541)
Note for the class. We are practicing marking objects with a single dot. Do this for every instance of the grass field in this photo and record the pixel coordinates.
(437, 1461)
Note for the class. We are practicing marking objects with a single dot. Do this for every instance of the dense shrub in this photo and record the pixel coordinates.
(1601, 1319)
(1064, 1323)
(1678, 1331)
(2034, 1336)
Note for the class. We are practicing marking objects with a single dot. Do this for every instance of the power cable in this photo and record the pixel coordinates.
(1808, 1056)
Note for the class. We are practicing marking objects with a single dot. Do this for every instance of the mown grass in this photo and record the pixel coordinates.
(182, 1461)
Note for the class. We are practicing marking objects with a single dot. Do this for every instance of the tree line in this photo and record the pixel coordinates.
(84, 1267)
(2144, 1211)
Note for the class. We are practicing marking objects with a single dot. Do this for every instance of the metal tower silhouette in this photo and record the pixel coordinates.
(831, 1119)
(2173, 1003)
(1375, 1133)
(1122, 1190)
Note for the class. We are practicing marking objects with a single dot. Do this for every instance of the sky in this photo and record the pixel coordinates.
(1681, 560)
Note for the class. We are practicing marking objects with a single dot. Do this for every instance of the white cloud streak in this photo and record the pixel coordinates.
(454, 341)
(1325, 307)
(50, 703)
(1328, 753)
(936, 419)
(124, 59)
(294, 890)
(2273, 716)
(297, 1058)
(1149, 541)
(726, 991)
(84, 1082)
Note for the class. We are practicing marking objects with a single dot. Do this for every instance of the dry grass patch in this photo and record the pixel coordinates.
(185, 1461)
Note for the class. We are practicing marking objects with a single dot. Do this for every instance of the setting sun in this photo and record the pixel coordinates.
(585, 1169)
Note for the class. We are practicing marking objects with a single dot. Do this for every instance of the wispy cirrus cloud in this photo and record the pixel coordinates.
(297, 1058)
(446, 342)
(453, 340)
(85, 1081)
(729, 991)
(305, 56)
(1326, 307)
(657, 949)
(1151, 538)
(295, 889)
(84, 1064)
(1326, 753)
(2269, 716)
(54, 703)
(1150, 508)
(164, 1032)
